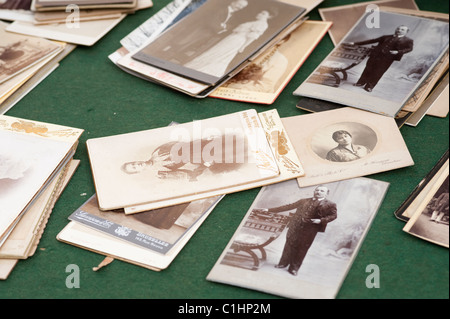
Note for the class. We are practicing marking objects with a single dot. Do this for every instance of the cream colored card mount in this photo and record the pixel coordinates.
(346, 143)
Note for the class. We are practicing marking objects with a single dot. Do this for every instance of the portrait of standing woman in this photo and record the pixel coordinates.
(216, 60)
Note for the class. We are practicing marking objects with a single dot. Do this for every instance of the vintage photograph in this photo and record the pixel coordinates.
(157, 23)
(177, 161)
(289, 165)
(20, 52)
(430, 222)
(264, 78)
(88, 32)
(407, 209)
(332, 148)
(218, 37)
(344, 17)
(15, 4)
(350, 141)
(158, 230)
(378, 69)
(300, 242)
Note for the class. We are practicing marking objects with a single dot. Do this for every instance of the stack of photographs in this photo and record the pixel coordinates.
(153, 195)
(300, 236)
(425, 211)
(24, 62)
(150, 239)
(264, 79)
(209, 46)
(388, 63)
(35, 165)
(75, 22)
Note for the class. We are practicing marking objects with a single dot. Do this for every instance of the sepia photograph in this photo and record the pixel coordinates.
(332, 147)
(218, 37)
(430, 221)
(378, 68)
(407, 209)
(176, 161)
(265, 77)
(158, 230)
(300, 242)
(88, 32)
(350, 141)
(289, 165)
(20, 52)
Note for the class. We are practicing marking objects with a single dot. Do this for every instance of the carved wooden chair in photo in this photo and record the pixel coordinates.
(248, 249)
(342, 59)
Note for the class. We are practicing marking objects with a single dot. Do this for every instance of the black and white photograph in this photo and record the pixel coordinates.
(378, 68)
(299, 242)
(430, 222)
(218, 37)
(20, 52)
(157, 230)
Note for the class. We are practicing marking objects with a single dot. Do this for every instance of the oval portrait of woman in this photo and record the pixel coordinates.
(344, 142)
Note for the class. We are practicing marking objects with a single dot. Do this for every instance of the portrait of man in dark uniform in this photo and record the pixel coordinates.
(311, 216)
(390, 48)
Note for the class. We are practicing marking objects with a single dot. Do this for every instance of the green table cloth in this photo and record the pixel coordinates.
(88, 91)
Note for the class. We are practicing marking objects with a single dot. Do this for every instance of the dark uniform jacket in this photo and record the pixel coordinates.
(307, 209)
(387, 43)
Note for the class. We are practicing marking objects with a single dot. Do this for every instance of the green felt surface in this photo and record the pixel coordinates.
(87, 91)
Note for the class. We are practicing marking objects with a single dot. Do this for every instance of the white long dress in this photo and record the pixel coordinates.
(216, 60)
